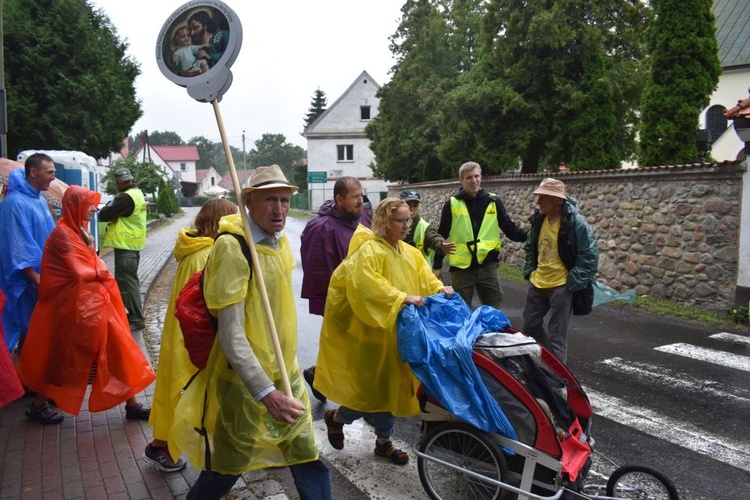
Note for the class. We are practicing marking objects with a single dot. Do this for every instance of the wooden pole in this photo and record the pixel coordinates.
(253, 253)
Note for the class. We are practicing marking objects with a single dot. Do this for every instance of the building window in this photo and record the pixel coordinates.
(183, 167)
(715, 122)
(213, 182)
(364, 112)
(345, 152)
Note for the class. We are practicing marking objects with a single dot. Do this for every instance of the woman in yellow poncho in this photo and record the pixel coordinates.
(358, 363)
(175, 369)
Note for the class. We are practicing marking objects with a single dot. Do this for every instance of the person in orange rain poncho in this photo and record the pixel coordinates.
(79, 330)
(358, 364)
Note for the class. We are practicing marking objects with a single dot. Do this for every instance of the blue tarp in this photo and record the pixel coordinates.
(436, 340)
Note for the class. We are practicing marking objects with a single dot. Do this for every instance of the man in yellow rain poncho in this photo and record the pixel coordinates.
(249, 424)
(358, 362)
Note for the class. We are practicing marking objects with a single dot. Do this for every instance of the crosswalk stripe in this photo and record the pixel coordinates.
(709, 355)
(731, 337)
(736, 454)
(652, 374)
(375, 476)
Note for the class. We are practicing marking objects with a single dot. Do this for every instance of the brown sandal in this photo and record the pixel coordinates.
(387, 450)
(335, 430)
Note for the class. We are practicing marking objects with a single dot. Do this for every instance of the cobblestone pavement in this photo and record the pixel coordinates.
(98, 455)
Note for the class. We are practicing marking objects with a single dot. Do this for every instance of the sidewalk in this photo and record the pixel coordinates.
(98, 455)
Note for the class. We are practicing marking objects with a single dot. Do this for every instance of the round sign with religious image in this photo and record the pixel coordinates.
(196, 47)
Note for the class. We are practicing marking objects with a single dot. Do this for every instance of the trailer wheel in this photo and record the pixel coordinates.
(470, 449)
(636, 481)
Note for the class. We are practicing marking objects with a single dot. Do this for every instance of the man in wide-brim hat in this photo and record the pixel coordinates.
(249, 423)
(561, 259)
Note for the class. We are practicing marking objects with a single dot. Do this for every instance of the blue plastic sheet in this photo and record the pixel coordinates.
(436, 340)
(604, 294)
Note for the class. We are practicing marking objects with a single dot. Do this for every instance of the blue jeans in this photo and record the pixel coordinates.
(382, 421)
(311, 479)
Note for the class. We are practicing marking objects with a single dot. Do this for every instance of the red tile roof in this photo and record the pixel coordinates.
(200, 174)
(177, 153)
(226, 179)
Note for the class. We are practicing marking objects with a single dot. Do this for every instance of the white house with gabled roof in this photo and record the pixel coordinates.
(337, 144)
(176, 162)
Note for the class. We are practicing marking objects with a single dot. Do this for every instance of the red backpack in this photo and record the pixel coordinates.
(198, 326)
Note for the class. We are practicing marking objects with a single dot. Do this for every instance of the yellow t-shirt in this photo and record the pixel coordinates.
(550, 271)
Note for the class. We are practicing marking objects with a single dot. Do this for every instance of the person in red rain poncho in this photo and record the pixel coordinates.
(12, 389)
(79, 330)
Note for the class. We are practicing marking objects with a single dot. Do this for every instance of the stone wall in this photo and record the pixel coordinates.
(670, 232)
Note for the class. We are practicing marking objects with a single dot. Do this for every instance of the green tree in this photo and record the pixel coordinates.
(527, 98)
(595, 130)
(504, 82)
(406, 131)
(212, 155)
(146, 176)
(166, 202)
(273, 149)
(317, 107)
(685, 70)
(69, 81)
(165, 138)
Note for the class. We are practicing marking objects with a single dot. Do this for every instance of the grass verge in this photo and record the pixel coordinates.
(653, 305)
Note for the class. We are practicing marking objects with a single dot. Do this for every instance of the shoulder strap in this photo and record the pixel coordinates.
(245, 249)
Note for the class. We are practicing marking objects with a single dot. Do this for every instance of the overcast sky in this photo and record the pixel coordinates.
(290, 48)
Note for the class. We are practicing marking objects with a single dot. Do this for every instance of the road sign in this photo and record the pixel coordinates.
(317, 177)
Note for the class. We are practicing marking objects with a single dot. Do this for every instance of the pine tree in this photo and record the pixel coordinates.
(685, 70)
(317, 107)
(166, 203)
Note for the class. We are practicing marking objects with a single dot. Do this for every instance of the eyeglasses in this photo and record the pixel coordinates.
(403, 221)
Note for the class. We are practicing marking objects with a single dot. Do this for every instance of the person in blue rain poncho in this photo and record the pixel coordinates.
(358, 364)
(25, 224)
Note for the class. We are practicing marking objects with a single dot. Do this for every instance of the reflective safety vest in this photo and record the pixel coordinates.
(419, 233)
(129, 233)
(462, 234)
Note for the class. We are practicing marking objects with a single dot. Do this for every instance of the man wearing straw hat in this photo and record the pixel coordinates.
(244, 421)
(561, 259)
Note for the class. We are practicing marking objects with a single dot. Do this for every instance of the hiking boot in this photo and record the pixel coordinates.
(159, 457)
(137, 412)
(309, 375)
(43, 414)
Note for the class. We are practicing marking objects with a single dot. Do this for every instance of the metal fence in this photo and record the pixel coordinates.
(301, 200)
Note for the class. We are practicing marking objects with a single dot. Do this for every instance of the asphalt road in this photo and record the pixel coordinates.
(666, 393)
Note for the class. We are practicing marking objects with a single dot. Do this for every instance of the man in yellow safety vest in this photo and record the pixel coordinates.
(126, 233)
(472, 219)
(422, 234)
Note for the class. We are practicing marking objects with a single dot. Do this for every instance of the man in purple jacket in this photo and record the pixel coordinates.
(325, 243)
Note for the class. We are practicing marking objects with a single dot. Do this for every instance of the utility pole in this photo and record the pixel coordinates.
(244, 158)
